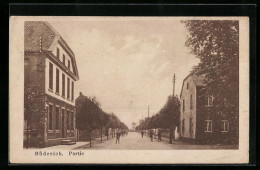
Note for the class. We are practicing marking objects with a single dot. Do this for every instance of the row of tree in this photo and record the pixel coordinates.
(167, 118)
(90, 116)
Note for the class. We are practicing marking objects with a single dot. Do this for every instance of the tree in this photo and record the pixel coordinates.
(216, 44)
(34, 107)
(167, 117)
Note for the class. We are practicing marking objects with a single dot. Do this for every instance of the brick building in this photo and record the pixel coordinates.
(50, 65)
(199, 122)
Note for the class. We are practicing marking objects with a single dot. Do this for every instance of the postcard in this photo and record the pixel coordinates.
(129, 90)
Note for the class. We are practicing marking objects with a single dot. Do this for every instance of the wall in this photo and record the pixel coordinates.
(188, 112)
(52, 93)
(211, 113)
(63, 52)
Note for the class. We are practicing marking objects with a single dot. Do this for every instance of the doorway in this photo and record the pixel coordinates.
(63, 129)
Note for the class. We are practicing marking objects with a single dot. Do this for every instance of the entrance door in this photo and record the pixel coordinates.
(63, 124)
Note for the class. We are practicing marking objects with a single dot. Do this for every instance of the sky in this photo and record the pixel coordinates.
(128, 62)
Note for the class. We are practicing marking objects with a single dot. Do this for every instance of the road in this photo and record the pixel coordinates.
(134, 141)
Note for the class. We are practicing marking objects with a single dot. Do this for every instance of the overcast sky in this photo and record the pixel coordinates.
(128, 63)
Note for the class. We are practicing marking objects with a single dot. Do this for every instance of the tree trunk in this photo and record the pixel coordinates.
(101, 134)
(90, 138)
(27, 135)
(170, 136)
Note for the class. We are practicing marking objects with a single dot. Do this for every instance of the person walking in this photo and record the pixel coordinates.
(159, 135)
(142, 132)
(117, 137)
(151, 135)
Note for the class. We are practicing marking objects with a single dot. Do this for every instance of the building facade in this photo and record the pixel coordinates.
(133, 125)
(199, 120)
(50, 66)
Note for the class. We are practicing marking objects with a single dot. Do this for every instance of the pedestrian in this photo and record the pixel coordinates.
(159, 135)
(151, 135)
(117, 137)
(142, 132)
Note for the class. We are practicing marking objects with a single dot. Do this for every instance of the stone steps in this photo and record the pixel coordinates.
(68, 142)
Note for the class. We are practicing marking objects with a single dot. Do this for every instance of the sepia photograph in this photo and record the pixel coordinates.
(141, 85)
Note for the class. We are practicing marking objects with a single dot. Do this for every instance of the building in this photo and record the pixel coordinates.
(199, 120)
(133, 126)
(50, 67)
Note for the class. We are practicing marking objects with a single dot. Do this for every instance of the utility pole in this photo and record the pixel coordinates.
(173, 85)
(172, 126)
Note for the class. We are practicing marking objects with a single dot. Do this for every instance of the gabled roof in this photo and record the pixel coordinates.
(41, 36)
(199, 80)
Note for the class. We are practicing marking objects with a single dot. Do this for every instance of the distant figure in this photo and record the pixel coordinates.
(151, 135)
(142, 132)
(159, 135)
(117, 137)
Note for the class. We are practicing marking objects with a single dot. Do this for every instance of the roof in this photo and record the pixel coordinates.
(41, 36)
(199, 80)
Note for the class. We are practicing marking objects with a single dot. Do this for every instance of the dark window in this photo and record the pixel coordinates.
(57, 118)
(63, 85)
(191, 104)
(68, 88)
(69, 64)
(190, 130)
(50, 117)
(187, 85)
(63, 60)
(58, 53)
(183, 108)
(51, 76)
(57, 80)
(72, 91)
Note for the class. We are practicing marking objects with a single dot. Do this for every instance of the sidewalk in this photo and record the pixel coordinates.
(79, 144)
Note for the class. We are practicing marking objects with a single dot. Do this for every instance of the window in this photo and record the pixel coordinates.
(209, 100)
(183, 124)
(58, 53)
(57, 118)
(68, 88)
(50, 117)
(63, 60)
(51, 76)
(63, 85)
(72, 91)
(68, 120)
(57, 80)
(71, 121)
(183, 107)
(187, 85)
(208, 127)
(191, 104)
(225, 126)
(69, 64)
(190, 129)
